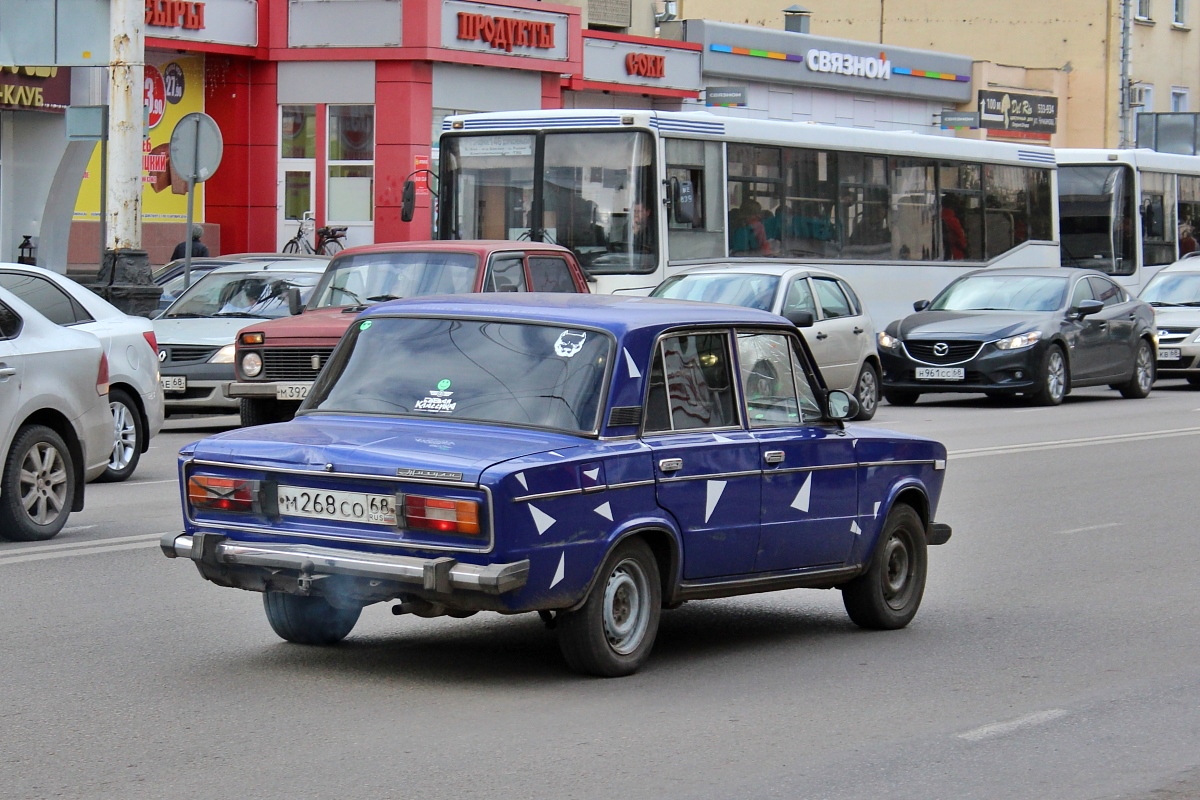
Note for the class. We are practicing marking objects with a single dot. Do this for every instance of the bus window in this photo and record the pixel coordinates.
(493, 187)
(1189, 213)
(913, 227)
(695, 176)
(809, 224)
(1158, 218)
(960, 195)
(863, 206)
(755, 200)
(1095, 217)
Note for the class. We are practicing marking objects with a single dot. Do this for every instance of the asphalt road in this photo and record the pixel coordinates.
(1056, 655)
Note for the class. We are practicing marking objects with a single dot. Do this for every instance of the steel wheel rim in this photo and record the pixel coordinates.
(1055, 375)
(626, 607)
(43, 483)
(868, 391)
(899, 566)
(1145, 369)
(125, 440)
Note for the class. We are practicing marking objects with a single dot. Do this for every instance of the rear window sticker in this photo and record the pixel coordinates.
(570, 343)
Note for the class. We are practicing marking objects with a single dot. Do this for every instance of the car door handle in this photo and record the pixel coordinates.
(858, 330)
(773, 456)
(670, 464)
(821, 335)
(7, 371)
(1133, 315)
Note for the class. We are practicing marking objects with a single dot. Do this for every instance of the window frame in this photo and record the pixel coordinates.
(6, 337)
(489, 275)
(734, 382)
(78, 312)
(821, 306)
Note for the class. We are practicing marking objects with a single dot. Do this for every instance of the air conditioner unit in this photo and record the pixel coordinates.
(1137, 95)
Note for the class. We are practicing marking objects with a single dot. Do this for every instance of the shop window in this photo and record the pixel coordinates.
(351, 169)
(695, 222)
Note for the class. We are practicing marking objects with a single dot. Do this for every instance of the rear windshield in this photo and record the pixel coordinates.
(368, 278)
(258, 295)
(544, 376)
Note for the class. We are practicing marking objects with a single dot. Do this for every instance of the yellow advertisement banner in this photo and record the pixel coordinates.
(174, 86)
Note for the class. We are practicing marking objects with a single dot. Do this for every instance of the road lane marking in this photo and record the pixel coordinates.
(1087, 528)
(1060, 444)
(77, 528)
(997, 729)
(64, 549)
(21, 559)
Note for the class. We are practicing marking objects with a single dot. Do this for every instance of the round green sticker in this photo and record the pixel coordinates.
(365, 325)
(443, 385)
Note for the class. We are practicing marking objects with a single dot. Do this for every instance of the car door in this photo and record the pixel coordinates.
(11, 366)
(1088, 337)
(1121, 315)
(833, 339)
(706, 466)
(809, 503)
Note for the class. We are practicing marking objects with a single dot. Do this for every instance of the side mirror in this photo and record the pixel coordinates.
(293, 301)
(1087, 307)
(408, 200)
(801, 319)
(920, 305)
(841, 405)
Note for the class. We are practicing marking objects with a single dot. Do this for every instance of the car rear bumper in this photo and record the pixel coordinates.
(300, 569)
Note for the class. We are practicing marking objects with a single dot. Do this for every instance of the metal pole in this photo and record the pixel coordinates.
(126, 73)
(191, 179)
(1126, 78)
(104, 198)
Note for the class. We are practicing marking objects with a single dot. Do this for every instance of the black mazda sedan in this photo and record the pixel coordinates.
(1032, 332)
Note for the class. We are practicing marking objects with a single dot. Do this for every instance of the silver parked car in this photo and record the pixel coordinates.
(56, 430)
(134, 396)
(842, 337)
(1174, 293)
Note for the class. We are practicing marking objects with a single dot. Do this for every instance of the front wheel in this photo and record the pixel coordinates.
(38, 486)
(866, 391)
(129, 438)
(1142, 378)
(331, 247)
(1053, 385)
(612, 633)
(1194, 380)
(293, 246)
(256, 411)
(308, 620)
(899, 398)
(886, 597)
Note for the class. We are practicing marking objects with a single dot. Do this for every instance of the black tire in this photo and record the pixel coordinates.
(308, 620)
(255, 411)
(886, 597)
(332, 247)
(629, 585)
(866, 391)
(1142, 380)
(293, 246)
(1053, 378)
(39, 450)
(130, 432)
(897, 397)
(1194, 380)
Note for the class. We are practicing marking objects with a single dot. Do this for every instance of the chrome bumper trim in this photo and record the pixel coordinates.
(433, 574)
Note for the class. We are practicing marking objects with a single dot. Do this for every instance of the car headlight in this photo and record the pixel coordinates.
(223, 356)
(1019, 341)
(1197, 339)
(251, 365)
(887, 341)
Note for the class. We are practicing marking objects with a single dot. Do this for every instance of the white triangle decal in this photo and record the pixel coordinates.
(803, 496)
(876, 510)
(634, 372)
(721, 438)
(855, 529)
(541, 520)
(520, 476)
(715, 490)
(592, 473)
(561, 572)
(604, 510)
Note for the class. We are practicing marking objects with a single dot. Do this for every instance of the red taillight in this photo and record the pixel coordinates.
(441, 515)
(222, 494)
(151, 340)
(102, 376)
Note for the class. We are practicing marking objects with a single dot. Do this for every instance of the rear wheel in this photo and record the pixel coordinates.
(38, 486)
(866, 391)
(888, 594)
(332, 246)
(293, 246)
(308, 620)
(1142, 379)
(256, 411)
(612, 633)
(897, 397)
(129, 440)
(1053, 385)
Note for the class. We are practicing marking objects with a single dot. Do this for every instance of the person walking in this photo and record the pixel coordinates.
(199, 248)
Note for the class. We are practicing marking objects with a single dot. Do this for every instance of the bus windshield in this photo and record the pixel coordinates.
(591, 192)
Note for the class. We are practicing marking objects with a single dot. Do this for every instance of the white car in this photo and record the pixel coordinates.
(56, 430)
(1175, 295)
(196, 333)
(842, 336)
(134, 397)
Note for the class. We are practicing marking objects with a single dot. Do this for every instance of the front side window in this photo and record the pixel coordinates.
(360, 280)
(261, 295)
(1081, 292)
(49, 300)
(550, 274)
(690, 384)
(799, 298)
(776, 390)
(506, 275)
(833, 300)
(542, 376)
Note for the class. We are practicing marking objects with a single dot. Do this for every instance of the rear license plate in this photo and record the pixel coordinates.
(291, 391)
(941, 373)
(173, 383)
(372, 509)
(1169, 354)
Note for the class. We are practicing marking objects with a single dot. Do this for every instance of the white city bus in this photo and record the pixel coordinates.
(1127, 212)
(639, 194)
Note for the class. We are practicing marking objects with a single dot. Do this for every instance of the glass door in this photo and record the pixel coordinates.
(297, 173)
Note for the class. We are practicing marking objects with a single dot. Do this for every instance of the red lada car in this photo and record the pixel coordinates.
(277, 361)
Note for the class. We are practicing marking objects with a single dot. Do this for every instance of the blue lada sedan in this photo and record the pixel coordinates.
(595, 459)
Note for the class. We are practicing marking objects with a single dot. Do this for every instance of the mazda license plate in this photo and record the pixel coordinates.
(941, 373)
(372, 509)
(1169, 354)
(291, 391)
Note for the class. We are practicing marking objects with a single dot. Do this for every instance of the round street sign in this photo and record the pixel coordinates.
(196, 147)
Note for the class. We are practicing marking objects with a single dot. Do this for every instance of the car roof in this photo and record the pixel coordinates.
(1183, 265)
(315, 264)
(1040, 272)
(617, 314)
(480, 247)
(757, 268)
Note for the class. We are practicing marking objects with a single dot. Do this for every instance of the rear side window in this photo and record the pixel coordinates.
(550, 274)
(49, 300)
(833, 300)
(10, 323)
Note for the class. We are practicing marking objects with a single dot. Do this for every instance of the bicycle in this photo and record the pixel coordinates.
(329, 238)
